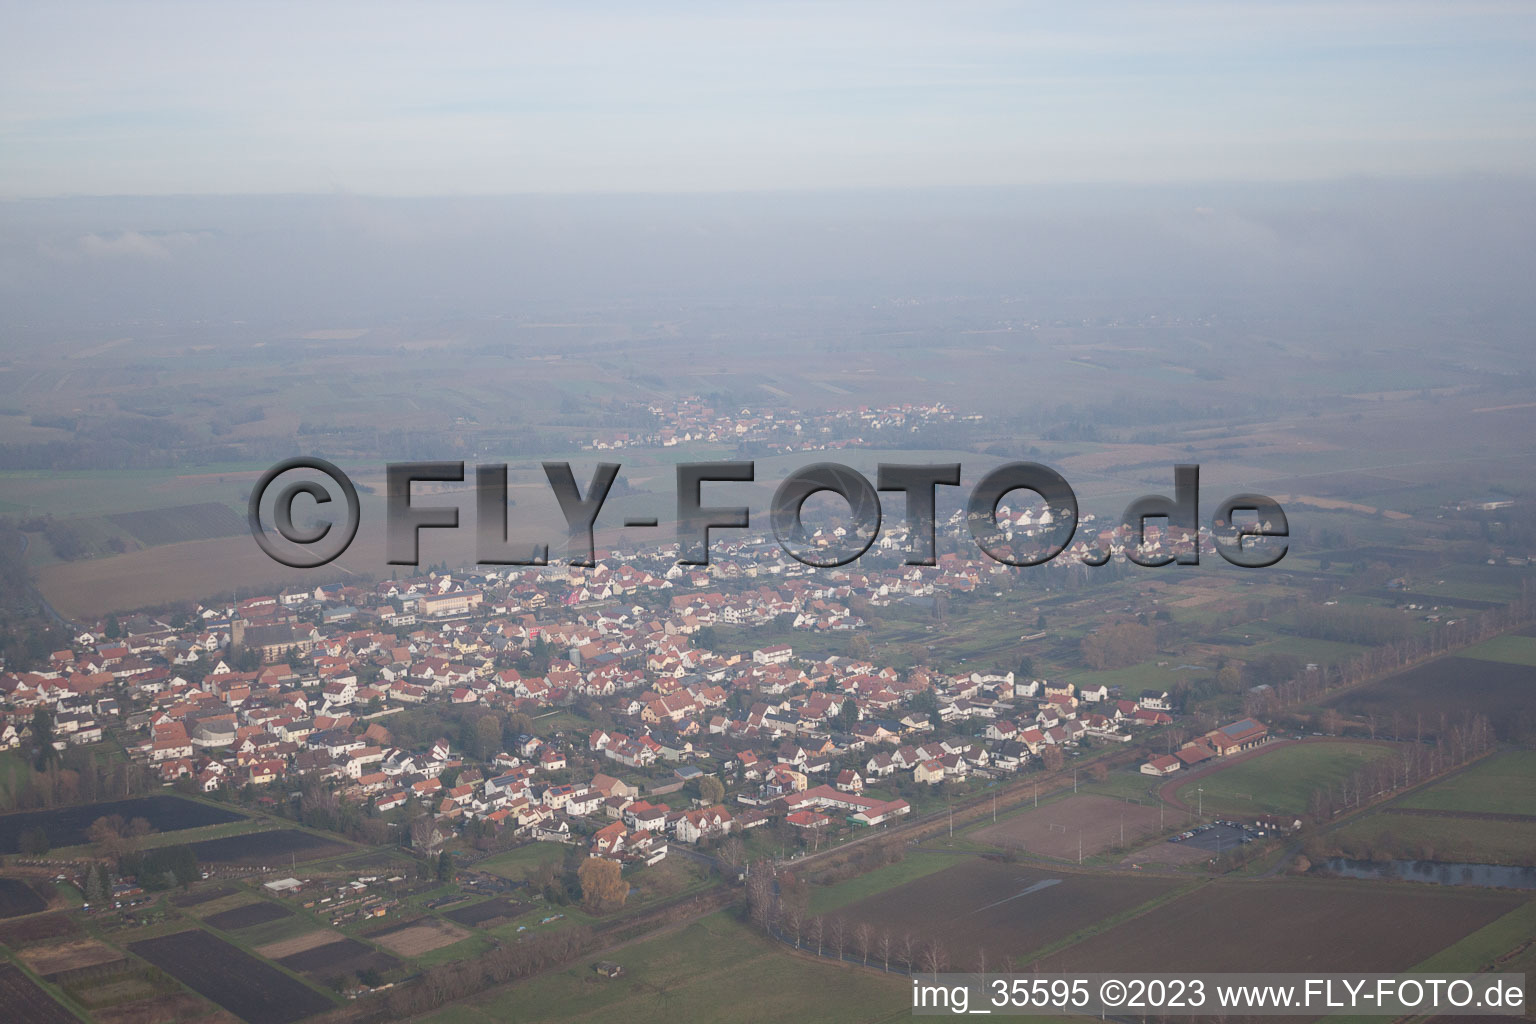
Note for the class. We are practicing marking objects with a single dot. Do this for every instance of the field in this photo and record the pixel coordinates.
(247, 916)
(712, 970)
(1511, 648)
(37, 929)
(1502, 784)
(237, 981)
(1505, 692)
(414, 938)
(24, 1001)
(180, 522)
(17, 898)
(298, 943)
(1010, 910)
(491, 910)
(1290, 925)
(1056, 829)
(66, 826)
(155, 1007)
(339, 958)
(267, 848)
(67, 956)
(1281, 779)
(197, 897)
(520, 863)
(1432, 835)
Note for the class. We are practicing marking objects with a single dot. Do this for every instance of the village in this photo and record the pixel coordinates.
(696, 741)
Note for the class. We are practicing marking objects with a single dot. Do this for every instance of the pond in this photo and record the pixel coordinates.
(1434, 872)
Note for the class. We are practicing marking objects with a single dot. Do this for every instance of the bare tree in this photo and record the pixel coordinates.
(909, 951)
(837, 935)
(863, 935)
(734, 852)
(981, 960)
(883, 947)
(934, 959)
(816, 931)
(794, 920)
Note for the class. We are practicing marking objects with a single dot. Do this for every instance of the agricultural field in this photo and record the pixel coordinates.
(46, 961)
(280, 948)
(139, 995)
(1280, 780)
(206, 894)
(1401, 703)
(1502, 784)
(1290, 925)
(24, 1001)
(1511, 648)
(41, 928)
(245, 986)
(180, 522)
(493, 910)
(66, 826)
(1057, 828)
(413, 938)
(715, 969)
(338, 959)
(275, 848)
(247, 916)
(1009, 910)
(18, 898)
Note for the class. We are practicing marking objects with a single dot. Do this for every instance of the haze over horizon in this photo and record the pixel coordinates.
(475, 99)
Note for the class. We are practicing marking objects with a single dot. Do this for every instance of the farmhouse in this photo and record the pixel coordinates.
(1166, 764)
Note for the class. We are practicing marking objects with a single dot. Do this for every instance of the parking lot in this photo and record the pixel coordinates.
(1216, 838)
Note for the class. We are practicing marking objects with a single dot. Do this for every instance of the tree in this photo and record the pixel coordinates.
(711, 789)
(115, 838)
(847, 715)
(445, 866)
(733, 852)
(486, 738)
(1119, 646)
(33, 841)
(42, 738)
(863, 939)
(96, 892)
(1052, 757)
(602, 884)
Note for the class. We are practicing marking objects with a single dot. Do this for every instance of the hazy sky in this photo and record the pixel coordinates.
(467, 98)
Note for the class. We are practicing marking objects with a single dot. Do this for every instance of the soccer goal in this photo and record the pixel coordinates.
(1058, 828)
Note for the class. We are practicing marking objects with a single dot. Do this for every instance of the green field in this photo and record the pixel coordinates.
(1502, 784)
(715, 969)
(1382, 836)
(1511, 648)
(915, 864)
(1280, 780)
(521, 863)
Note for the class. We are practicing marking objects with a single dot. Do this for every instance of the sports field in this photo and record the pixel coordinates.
(1084, 823)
